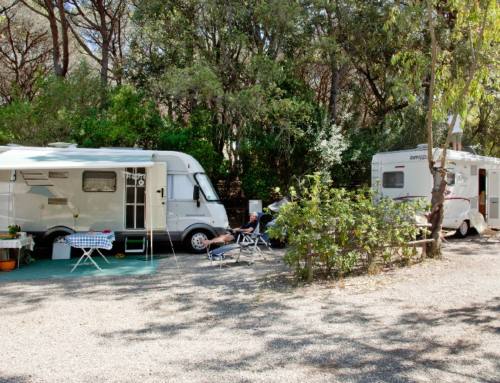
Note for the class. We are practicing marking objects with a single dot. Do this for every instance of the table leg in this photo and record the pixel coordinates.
(79, 260)
(102, 255)
(87, 255)
(91, 260)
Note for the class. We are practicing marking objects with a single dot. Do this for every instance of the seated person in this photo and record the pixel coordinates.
(247, 228)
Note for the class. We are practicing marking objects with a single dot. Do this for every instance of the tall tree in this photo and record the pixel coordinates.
(54, 12)
(475, 19)
(97, 26)
(24, 53)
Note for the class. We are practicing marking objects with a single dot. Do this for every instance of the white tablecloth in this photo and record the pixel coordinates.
(17, 243)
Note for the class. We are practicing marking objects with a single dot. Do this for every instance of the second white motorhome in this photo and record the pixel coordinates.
(473, 192)
(55, 191)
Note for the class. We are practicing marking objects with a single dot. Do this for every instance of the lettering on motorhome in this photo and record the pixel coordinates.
(135, 176)
(418, 157)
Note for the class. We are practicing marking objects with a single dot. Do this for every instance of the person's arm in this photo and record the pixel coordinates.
(243, 229)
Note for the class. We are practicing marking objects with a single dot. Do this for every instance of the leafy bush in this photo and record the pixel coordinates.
(331, 231)
(129, 119)
(195, 137)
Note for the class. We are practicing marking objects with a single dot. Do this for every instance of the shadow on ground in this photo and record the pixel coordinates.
(342, 338)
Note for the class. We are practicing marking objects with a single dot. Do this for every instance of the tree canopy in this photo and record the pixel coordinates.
(260, 91)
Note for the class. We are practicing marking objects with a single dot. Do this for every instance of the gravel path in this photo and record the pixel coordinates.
(435, 321)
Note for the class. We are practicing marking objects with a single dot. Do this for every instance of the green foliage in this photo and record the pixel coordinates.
(72, 110)
(17, 122)
(13, 229)
(55, 113)
(342, 229)
(267, 91)
(129, 119)
(193, 138)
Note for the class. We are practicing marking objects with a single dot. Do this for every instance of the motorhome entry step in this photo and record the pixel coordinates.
(136, 244)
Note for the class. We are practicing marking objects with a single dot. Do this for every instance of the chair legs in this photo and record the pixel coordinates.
(244, 243)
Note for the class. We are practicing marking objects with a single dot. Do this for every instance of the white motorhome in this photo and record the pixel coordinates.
(473, 191)
(52, 191)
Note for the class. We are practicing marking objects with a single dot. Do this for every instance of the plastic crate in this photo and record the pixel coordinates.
(61, 250)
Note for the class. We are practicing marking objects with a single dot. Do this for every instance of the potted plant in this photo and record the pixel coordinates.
(7, 264)
(13, 230)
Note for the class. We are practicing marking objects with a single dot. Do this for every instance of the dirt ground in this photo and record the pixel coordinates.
(434, 321)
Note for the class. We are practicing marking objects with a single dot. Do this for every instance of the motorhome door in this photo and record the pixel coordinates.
(493, 196)
(157, 181)
(135, 198)
(4, 198)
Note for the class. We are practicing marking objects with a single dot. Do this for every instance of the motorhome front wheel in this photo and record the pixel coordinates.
(463, 229)
(194, 241)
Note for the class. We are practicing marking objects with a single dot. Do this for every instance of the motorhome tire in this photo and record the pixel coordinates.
(43, 245)
(463, 229)
(194, 241)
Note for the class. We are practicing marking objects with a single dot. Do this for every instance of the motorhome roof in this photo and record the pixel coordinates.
(178, 161)
(51, 158)
(453, 155)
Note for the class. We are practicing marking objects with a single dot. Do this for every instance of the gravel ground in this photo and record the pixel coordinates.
(435, 321)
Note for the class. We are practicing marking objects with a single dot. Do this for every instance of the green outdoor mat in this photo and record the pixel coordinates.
(48, 269)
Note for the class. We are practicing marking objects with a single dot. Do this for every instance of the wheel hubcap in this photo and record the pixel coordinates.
(197, 241)
(463, 228)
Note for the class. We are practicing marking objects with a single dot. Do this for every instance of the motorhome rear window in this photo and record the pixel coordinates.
(95, 181)
(393, 180)
(450, 178)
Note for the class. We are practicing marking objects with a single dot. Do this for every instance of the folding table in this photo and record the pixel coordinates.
(88, 242)
(18, 243)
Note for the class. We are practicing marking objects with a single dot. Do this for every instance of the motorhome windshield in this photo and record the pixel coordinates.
(206, 187)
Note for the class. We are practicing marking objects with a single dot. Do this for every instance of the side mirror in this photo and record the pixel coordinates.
(196, 195)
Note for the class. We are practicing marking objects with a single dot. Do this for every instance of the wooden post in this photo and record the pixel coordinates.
(309, 264)
(424, 247)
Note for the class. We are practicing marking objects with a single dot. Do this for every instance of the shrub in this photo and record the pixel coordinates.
(331, 231)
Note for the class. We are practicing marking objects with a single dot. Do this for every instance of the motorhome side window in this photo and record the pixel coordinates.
(179, 187)
(95, 181)
(393, 180)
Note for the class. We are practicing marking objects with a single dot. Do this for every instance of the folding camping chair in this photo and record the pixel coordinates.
(256, 237)
(245, 242)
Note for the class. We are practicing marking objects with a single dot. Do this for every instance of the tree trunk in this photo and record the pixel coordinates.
(104, 64)
(64, 37)
(60, 64)
(54, 31)
(334, 86)
(437, 213)
(437, 200)
(106, 40)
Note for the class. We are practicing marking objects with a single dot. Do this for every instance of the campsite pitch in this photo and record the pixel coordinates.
(434, 321)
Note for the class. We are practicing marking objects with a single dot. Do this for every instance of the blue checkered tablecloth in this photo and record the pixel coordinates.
(91, 240)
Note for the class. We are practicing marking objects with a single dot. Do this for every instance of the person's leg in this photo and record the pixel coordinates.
(220, 239)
